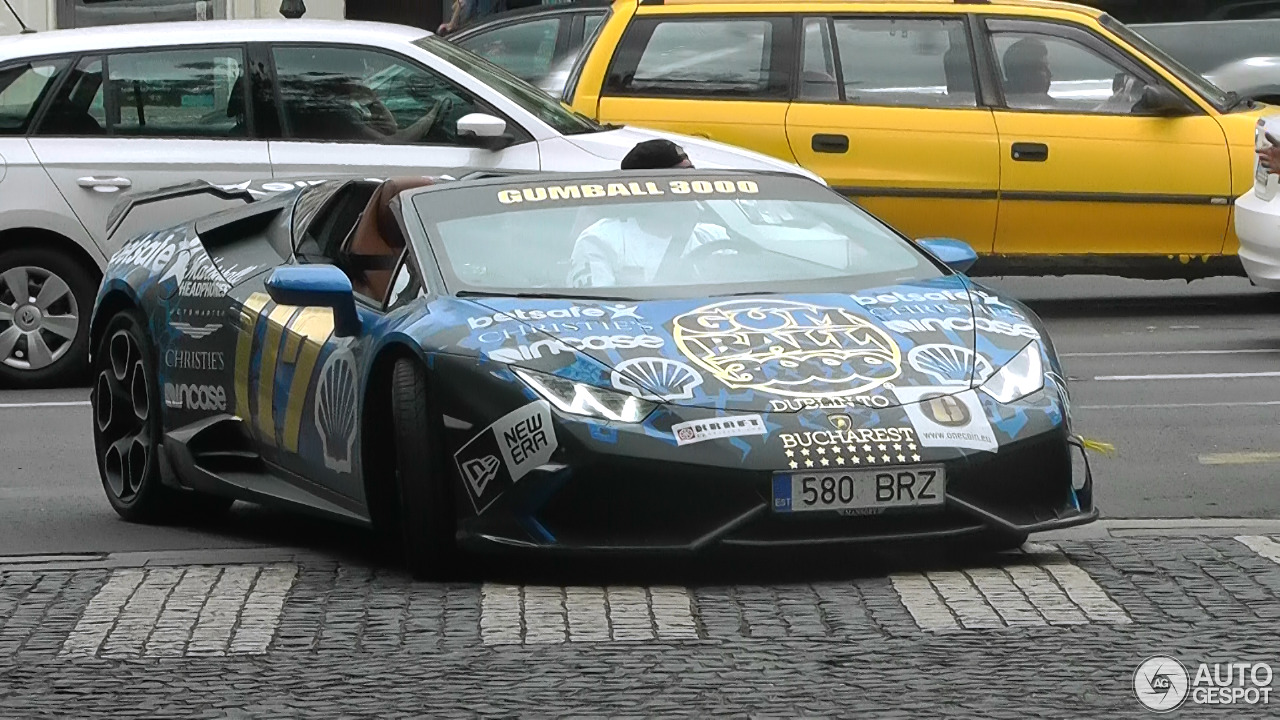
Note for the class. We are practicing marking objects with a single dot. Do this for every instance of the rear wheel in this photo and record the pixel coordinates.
(127, 430)
(45, 301)
(426, 514)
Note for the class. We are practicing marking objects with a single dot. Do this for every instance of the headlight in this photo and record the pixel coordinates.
(581, 399)
(1019, 377)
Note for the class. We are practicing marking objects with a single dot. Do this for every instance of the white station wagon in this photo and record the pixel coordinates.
(86, 115)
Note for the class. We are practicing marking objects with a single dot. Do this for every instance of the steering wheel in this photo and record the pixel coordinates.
(1126, 92)
(730, 245)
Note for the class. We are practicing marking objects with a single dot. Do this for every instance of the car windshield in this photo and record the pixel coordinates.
(651, 236)
(535, 101)
(1205, 88)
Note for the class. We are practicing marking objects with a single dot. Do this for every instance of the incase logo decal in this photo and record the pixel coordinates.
(195, 397)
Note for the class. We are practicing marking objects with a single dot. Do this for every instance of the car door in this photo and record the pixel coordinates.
(888, 112)
(142, 120)
(726, 77)
(1084, 168)
(364, 111)
(296, 382)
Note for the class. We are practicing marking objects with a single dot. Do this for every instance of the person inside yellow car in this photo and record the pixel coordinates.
(1027, 76)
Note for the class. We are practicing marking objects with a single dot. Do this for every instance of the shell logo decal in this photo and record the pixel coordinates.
(336, 407)
(786, 348)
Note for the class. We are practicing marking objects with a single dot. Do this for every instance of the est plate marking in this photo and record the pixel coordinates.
(919, 486)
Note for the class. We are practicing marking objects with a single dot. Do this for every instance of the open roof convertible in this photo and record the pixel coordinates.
(524, 362)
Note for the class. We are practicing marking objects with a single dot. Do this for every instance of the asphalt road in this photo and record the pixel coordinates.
(1183, 379)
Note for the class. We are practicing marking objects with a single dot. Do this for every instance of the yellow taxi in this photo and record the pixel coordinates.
(1047, 135)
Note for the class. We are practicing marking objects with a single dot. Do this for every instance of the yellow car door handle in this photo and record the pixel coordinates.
(830, 143)
(1030, 152)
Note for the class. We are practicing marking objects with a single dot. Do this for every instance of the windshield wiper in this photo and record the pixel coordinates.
(539, 295)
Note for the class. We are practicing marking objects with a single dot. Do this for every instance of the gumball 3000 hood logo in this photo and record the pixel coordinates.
(787, 348)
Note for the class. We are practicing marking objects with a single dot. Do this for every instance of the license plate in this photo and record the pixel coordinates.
(878, 489)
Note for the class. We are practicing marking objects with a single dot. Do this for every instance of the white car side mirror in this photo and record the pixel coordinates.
(485, 130)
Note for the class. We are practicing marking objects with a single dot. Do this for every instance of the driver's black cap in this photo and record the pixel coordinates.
(654, 155)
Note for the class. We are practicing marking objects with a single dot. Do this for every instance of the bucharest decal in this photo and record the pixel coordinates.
(786, 348)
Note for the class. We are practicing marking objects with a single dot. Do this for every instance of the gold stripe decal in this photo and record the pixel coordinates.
(249, 315)
(314, 326)
(276, 322)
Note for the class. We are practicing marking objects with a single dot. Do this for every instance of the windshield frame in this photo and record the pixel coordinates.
(1220, 99)
(527, 97)
(454, 286)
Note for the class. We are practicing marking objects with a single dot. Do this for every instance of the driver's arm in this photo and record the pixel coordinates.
(417, 130)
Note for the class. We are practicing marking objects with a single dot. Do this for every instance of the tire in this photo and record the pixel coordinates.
(426, 516)
(63, 292)
(127, 430)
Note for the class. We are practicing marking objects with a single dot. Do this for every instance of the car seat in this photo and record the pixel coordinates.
(958, 68)
(376, 241)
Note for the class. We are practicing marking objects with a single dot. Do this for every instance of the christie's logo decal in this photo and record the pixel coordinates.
(786, 348)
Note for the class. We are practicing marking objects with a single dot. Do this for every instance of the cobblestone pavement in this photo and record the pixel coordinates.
(1055, 630)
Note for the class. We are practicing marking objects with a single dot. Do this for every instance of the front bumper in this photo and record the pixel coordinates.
(1258, 228)
(609, 503)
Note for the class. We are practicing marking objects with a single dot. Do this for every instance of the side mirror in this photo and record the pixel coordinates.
(955, 254)
(1160, 100)
(317, 286)
(484, 130)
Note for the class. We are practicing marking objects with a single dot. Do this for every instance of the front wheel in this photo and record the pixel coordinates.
(127, 429)
(45, 301)
(426, 516)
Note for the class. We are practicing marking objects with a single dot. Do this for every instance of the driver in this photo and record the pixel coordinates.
(1027, 75)
(636, 249)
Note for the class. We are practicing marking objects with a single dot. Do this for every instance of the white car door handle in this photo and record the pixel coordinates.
(105, 185)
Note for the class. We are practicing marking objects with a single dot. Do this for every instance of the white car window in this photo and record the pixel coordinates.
(21, 87)
(347, 94)
(178, 93)
(195, 93)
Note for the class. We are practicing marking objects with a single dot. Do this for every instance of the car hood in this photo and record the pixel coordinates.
(614, 145)
(881, 347)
